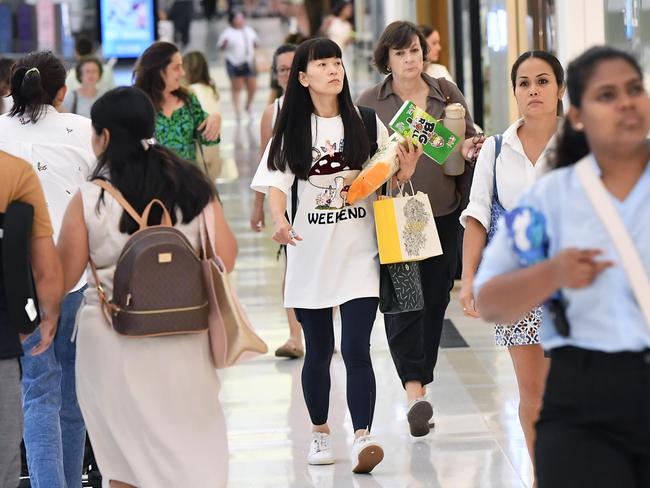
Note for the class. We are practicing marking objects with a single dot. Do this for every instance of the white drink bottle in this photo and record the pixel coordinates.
(455, 121)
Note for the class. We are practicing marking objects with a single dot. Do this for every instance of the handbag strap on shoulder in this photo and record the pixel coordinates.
(498, 142)
(611, 220)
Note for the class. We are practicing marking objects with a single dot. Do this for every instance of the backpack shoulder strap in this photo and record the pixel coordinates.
(294, 200)
(369, 118)
(498, 141)
(115, 193)
(75, 101)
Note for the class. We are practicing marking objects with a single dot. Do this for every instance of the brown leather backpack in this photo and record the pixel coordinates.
(158, 286)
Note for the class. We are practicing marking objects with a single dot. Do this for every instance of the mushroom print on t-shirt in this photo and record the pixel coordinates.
(331, 174)
(337, 259)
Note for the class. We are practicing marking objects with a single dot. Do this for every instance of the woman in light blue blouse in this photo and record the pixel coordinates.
(594, 428)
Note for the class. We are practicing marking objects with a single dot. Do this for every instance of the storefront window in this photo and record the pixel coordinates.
(627, 26)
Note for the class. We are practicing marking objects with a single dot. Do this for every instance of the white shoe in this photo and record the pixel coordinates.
(366, 454)
(320, 451)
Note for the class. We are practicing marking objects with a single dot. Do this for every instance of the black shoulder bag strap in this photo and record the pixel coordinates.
(369, 120)
(75, 101)
(195, 136)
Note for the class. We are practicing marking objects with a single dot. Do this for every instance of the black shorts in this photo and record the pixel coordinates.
(244, 70)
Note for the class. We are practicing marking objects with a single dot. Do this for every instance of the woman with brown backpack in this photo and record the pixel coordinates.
(151, 404)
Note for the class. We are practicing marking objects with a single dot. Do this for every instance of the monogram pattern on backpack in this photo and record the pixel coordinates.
(158, 286)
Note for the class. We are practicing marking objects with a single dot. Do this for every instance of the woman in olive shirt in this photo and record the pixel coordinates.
(414, 337)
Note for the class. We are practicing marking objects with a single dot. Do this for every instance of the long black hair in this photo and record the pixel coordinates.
(144, 174)
(292, 138)
(147, 74)
(548, 58)
(572, 145)
(35, 81)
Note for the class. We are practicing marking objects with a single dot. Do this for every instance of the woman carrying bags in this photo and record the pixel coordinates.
(319, 146)
(514, 161)
(139, 392)
(556, 248)
(414, 337)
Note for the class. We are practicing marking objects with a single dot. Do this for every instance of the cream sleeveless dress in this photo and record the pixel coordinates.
(151, 405)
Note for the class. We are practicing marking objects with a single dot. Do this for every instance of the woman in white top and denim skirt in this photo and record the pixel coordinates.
(553, 248)
(507, 165)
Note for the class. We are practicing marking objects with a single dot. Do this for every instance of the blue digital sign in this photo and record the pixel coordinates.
(128, 27)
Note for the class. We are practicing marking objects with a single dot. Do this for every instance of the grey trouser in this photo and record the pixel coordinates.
(11, 423)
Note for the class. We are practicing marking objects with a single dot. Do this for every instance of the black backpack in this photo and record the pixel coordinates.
(17, 284)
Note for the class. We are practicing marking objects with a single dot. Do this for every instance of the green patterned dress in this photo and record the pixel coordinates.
(176, 132)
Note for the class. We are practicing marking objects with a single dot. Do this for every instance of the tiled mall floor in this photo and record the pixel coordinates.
(477, 441)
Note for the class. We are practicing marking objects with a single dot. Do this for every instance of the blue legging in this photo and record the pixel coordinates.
(357, 317)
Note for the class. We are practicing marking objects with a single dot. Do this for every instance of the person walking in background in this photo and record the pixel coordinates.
(181, 122)
(319, 146)
(20, 184)
(338, 25)
(180, 12)
(238, 41)
(556, 248)
(505, 169)
(414, 337)
(79, 101)
(157, 378)
(433, 68)
(83, 47)
(5, 84)
(281, 66)
(58, 147)
(197, 76)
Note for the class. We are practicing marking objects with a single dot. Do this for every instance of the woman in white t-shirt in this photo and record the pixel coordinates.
(434, 69)
(338, 26)
(281, 66)
(58, 146)
(197, 76)
(506, 167)
(319, 146)
(238, 42)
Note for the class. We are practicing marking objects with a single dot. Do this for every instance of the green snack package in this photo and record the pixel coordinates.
(437, 141)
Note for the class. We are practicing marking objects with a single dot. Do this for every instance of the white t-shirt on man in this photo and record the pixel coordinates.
(337, 260)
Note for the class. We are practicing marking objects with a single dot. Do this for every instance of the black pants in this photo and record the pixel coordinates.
(414, 337)
(594, 428)
(357, 317)
(181, 14)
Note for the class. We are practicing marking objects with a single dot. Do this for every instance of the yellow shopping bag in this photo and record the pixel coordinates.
(406, 229)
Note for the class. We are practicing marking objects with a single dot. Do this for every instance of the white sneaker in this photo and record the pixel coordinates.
(320, 451)
(366, 454)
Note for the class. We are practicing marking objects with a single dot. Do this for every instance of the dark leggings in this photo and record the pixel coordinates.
(357, 317)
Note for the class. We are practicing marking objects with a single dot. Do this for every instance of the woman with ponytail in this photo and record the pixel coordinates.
(159, 393)
(556, 248)
(58, 147)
